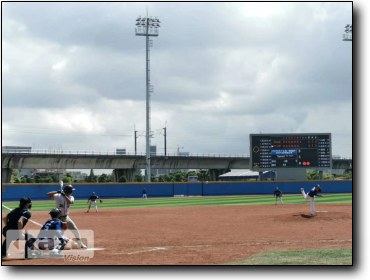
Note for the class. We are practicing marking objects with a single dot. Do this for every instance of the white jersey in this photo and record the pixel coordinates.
(62, 204)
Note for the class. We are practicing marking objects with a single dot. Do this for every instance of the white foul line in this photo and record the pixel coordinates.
(29, 219)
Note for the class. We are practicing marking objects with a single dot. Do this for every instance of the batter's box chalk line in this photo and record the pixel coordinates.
(143, 251)
(322, 211)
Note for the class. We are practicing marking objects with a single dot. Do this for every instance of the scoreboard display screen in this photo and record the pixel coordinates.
(290, 151)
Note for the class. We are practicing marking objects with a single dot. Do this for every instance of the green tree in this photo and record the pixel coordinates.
(179, 177)
(66, 180)
(161, 178)
(327, 176)
(48, 180)
(153, 178)
(38, 179)
(312, 175)
(30, 180)
(347, 174)
(103, 178)
(15, 172)
(122, 179)
(17, 180)
(168, 178)
(14, 176)
(91, 178)
(139, 178)
(191, 173)
(203, 175)
(24, 180)
(54, 178)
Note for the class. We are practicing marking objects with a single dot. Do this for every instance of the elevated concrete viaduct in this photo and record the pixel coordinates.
(127, 164)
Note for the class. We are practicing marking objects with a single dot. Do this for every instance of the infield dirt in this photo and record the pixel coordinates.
(203, 235)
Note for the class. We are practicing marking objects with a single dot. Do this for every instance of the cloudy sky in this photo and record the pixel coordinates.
(73, 74)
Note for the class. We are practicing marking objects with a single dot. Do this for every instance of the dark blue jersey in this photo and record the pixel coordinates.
(50, 229)
(144, 191)
(278, 192)
(93, 197)
(313, 192)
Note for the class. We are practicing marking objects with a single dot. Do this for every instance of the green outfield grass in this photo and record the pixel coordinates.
(189, 201)
(303, 257)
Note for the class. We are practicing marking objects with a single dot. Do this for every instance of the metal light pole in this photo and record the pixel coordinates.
(347, 36)
(147, 27)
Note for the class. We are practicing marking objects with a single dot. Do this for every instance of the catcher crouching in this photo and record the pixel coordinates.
(50, 236)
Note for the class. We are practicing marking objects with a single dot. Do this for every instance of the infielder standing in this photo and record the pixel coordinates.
(278, 193)
(63, 201)
(311, 196)
(145, 194)
(93, 199)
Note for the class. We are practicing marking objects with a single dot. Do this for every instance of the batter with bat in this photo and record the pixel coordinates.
(63, 201)
(93, 199)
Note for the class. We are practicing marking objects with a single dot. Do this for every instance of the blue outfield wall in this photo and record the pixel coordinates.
(13, 192)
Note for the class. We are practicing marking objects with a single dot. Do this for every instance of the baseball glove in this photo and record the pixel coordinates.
(101, 201)
(64, 226)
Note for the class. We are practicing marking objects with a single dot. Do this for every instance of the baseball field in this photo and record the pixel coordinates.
(236, 230)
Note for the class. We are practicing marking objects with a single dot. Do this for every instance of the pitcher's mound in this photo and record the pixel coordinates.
(319, 215)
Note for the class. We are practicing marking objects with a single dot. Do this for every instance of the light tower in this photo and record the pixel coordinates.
(147, 27)
(347, 36)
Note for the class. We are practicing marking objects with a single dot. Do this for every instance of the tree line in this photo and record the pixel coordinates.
(108, 178)
(178, 176)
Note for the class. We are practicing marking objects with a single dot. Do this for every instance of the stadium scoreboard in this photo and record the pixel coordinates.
(306, 151)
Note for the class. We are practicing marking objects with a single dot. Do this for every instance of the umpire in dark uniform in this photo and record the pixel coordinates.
(17, 220)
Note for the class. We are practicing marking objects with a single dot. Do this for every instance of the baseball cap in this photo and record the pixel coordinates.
(25, 200)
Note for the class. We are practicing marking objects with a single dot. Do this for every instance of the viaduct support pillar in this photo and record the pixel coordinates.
(215, 173)
(128, 173)
(6, 175)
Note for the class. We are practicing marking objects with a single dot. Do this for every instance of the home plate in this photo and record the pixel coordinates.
(322, 211)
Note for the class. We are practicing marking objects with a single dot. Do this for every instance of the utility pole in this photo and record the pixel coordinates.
(165, 144)
(147, 27)
(135, 143)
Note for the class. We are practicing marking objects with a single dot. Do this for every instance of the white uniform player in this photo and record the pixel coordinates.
(63, 201)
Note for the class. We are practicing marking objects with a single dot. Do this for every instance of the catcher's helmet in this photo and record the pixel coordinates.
(24, 201)
(54, 213)
(68, 188)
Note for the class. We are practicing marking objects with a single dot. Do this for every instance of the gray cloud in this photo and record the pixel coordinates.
(221, 69)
